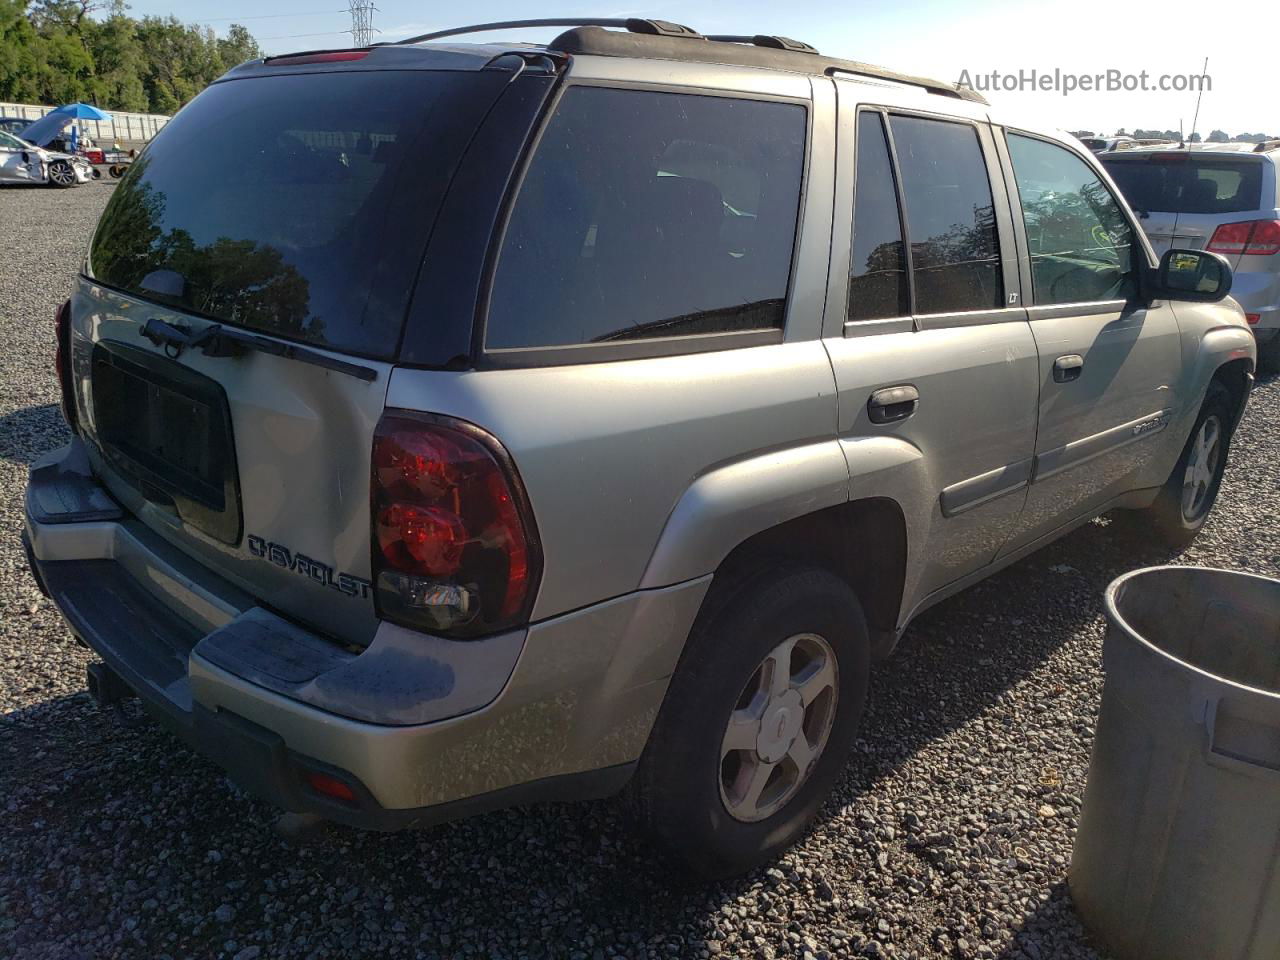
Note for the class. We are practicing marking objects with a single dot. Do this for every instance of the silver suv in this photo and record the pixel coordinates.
(1223, 198)
(464, 425)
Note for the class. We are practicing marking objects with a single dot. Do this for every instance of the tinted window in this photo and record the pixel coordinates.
(295, 205)
(1169, 181)
(955, 255)
(877, 267)
(650, 215)
(1080, 243)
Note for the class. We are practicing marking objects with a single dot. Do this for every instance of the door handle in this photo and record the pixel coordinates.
(1068, 368)
(891, 404)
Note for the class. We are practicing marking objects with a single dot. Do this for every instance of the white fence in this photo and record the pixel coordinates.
(121, 127)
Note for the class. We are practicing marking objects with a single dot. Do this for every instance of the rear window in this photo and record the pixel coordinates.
(647, 215)
(1180, 182)
(294, 205)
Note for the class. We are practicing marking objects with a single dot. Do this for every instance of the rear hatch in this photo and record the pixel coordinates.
(1181, 197)
(242, 305)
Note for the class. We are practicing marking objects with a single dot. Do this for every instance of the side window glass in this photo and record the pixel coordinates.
(951, 223)
(878, 265)
(1080, 243)
(648, 214)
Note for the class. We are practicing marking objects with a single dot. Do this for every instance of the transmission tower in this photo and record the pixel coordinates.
(362, 30)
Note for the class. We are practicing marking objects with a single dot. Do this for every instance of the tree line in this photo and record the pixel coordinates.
(61, 51)
(1215, 136)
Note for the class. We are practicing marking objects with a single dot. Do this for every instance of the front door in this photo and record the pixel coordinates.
(14, 166)
(1108, 363)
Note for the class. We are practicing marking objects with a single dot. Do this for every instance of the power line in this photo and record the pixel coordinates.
(269, 16)
(295, 36)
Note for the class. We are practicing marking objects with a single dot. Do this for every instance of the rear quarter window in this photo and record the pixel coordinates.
(648, 214)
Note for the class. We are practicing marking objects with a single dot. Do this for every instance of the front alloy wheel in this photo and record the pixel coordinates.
(1202, 468)
(61, 174)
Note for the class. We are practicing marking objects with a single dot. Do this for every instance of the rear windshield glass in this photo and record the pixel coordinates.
(294, 205)
(1170, 182)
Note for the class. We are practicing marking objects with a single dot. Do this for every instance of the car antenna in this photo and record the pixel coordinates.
(1195, 118)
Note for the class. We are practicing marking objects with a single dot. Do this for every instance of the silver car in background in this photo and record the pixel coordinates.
(1223, 199)
(22, 162)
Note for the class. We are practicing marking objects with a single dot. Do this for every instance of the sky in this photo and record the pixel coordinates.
(927, 37)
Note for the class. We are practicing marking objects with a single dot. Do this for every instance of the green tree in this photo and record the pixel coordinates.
(56, 51)
(1218, 136)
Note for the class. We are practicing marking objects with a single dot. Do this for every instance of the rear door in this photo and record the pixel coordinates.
(243, 305)
(928, 278)
(1108, 364)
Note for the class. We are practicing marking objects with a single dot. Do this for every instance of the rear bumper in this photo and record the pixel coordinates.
(560, 710)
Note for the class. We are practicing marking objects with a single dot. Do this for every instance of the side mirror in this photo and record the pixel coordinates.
(1195, 275)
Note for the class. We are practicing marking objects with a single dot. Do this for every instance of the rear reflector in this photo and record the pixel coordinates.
(331, 787)
(1253, 238)
(333, 56)
(1253, 317)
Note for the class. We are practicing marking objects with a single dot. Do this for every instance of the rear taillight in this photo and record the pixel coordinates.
(62, 362)
(454, 547)
(1252, 318)
(1250, 237)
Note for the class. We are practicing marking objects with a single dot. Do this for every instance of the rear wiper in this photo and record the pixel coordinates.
(216, 340)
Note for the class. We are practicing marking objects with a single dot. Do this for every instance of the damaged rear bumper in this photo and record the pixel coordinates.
(420, 729)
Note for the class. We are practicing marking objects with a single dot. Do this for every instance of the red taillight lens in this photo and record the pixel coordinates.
(454, 544)
(1252, 318)
(62, 362)
(1251, 237)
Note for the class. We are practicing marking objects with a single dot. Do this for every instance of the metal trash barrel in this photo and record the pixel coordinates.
(1177, 855)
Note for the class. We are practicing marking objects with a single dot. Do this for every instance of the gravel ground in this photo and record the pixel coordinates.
(948, 836)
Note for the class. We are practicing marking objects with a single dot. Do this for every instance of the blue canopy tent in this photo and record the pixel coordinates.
(48, 127)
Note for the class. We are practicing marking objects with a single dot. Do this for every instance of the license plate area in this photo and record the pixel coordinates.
(167, 430)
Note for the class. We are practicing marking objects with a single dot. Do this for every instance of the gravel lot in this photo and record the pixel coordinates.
(949, 835)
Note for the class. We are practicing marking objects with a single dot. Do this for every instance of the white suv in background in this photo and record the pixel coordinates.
(1222, 199)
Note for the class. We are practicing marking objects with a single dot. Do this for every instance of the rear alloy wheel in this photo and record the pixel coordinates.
(779, 728)
(61, 174)
(757, 722)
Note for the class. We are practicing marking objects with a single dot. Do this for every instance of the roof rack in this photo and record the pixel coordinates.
(661, 39)
(763, 40)
(657, 28)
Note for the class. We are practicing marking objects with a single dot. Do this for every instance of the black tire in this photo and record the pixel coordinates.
(62, 174)
(676, 793)
(1167, 518)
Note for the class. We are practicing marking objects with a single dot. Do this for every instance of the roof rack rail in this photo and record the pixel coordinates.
(653, 28)
(765, 40)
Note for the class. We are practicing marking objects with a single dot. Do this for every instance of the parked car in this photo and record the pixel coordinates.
(605, 444)
(1108, 144)
(22, 162)
(13, 125)
(1222, 198)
